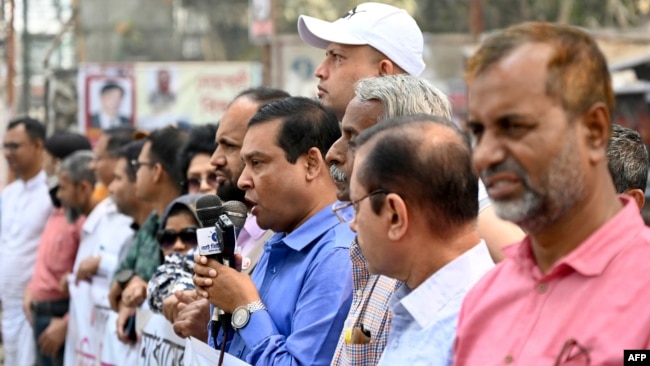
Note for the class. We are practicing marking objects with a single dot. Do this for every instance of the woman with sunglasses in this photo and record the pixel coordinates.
(177, 240)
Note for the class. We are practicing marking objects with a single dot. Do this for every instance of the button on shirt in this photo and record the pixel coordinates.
(304, 280)
(591, 305)
(424, 319)
(26, 206)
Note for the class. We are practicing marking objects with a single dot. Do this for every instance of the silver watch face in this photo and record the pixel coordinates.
(240, 317)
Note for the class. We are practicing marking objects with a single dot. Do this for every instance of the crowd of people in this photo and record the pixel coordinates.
(379, 230)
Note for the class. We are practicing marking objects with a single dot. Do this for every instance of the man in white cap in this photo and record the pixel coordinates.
(370, 40)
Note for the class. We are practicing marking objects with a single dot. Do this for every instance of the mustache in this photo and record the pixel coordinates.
(227, 172)
(509, 166)
(337, 174)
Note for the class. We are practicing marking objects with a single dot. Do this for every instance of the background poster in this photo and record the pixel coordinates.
(158, 94)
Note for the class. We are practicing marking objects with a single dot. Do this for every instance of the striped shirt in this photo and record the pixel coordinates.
(370, 308)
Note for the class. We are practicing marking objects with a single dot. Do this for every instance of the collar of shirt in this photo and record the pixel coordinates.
(250, 233)
(593, 255)
(309, 231)
(151, 224)
(459, 275)
(103, 208)
(38, 179)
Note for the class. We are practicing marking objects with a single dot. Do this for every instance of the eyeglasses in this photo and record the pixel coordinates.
(167, 238)
(573, 353)
(11, 146)
(339, 207)
(137, 164)
(194, 184)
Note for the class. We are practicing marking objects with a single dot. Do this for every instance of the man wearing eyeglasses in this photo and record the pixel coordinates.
(26, 205)
(575, 290)
(408, 229)
(158, 182)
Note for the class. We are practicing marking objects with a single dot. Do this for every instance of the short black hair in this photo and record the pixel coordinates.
(627, 159)
(130, 153)
(436, 176)
(34, 128)
(305, 124)
(118, 137)
(263, 95)
(200, 140)
(111, 85)
(165, 144)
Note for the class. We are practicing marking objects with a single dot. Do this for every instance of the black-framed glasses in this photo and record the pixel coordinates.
(167, 237)
(194, 184)
(339, 207)
(573, 353)
(138, 164)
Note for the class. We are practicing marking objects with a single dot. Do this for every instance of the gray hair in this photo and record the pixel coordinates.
(627, 159)
(77, 166)
(403, 95)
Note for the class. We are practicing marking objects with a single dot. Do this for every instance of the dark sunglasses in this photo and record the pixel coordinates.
(167, 238)
(194, 184)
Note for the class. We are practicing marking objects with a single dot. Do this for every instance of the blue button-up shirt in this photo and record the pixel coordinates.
(305, 280)
(424, 319)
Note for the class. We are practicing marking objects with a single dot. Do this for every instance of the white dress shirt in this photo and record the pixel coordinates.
(103, 234)
(26, 206)
(424, 319)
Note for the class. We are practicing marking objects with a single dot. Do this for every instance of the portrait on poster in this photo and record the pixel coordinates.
(110, 102)
(162, 90)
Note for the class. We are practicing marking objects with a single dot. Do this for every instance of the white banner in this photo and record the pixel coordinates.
(92, 337)
(159, 345)
(198, 353)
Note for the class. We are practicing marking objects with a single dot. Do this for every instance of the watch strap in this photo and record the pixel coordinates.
(255, 306)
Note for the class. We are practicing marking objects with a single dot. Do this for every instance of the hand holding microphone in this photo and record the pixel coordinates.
(223, 286)
(216, 269)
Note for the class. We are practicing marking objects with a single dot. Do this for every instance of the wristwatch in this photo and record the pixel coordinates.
(242, 314)
(123, 277)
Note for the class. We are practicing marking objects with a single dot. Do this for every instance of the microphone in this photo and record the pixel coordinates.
(208, 209)
(237, 212)
(218, 240)
(208, 237)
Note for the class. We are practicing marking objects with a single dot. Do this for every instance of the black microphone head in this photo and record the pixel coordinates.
(237, 213)
(208, 209)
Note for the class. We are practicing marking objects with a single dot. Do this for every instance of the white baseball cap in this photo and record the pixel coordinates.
(390, 30)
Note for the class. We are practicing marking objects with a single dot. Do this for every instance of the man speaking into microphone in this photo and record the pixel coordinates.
(292, 309)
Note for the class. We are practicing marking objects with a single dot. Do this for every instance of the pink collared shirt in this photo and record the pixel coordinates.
(56, 254)
(590, 306)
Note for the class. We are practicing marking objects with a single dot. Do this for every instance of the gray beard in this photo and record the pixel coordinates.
(562, 188)
(71, 214)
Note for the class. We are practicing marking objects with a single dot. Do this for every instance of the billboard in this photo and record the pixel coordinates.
(152, 95)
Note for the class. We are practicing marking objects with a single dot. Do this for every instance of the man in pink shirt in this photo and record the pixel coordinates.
(45, 303)
(574, 291)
